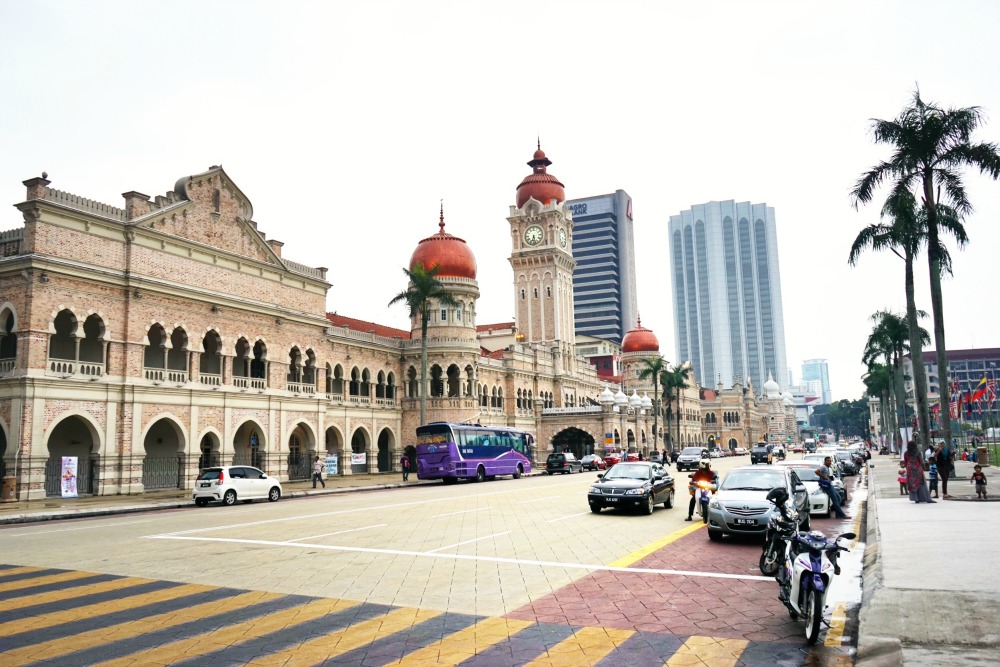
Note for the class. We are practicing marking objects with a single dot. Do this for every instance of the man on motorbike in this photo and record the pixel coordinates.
(704, 473)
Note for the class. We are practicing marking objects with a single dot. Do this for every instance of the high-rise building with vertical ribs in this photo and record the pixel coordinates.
(727, 292)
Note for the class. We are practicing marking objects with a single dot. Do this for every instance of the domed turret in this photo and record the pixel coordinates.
(543, 186)
(640, 339)
(771, 388)
(449, 253)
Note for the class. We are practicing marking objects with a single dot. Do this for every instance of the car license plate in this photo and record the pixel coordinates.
(205, 485)
(746, 522)
(612, 500)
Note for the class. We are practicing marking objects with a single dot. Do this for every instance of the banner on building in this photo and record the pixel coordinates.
(359, 458)
(67, 476)
(331, 464)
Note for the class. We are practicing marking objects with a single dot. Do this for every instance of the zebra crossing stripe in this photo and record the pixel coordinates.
(586, 646)
(714, 651)
(464, 644)
(62, 577)
(70, 593)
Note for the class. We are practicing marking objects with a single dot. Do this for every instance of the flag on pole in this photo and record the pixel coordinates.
(979, 391)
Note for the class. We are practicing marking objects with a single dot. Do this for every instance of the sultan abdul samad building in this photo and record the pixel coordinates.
(171, 334)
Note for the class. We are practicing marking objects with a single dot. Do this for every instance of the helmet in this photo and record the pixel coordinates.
(705, 464)
(778, 495)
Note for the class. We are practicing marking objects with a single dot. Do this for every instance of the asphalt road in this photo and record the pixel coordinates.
(505, 572)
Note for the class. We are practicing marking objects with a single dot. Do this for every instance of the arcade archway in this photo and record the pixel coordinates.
(573, 440)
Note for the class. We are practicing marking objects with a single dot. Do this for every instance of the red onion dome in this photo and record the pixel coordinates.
(544, 187)
(449, 253)
(640, 339)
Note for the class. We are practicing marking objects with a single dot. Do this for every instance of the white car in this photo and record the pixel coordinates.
(815, 461)
(227, 484)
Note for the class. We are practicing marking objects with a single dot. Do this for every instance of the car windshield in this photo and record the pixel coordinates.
(752, 480)
(691, 450)
(760, 449)
(843, 456)
(625, 471)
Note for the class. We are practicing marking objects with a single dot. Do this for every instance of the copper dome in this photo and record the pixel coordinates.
(640, 339)
(449, 253)
(544, 187)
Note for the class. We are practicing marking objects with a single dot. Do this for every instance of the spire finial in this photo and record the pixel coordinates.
(441, 218)
(539, 142)
(638, 320)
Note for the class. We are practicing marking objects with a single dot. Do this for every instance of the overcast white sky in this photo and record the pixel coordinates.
(345, 123)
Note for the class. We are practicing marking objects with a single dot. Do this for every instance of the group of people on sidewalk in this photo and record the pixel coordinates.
(939, 464)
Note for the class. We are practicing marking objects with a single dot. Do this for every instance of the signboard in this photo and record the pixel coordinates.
(331, 464)
(67, 476)
(359, 458)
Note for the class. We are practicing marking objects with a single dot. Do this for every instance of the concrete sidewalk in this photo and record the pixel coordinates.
(931, 591)
(52, 509)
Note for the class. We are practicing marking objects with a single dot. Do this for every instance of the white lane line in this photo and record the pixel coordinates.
(568, 516)
(339, 532)
(90, 526)
(458, 544)
(479, 509)
(488, 559)
(535, 500)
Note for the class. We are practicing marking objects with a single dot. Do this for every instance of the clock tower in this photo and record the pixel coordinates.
(541, 232)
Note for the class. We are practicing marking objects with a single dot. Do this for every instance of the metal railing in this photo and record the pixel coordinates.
(162, 472)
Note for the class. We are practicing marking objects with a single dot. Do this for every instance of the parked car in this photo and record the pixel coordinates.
(798, 448)
(847, 464)
(611, 458)
(562, 462)
(818, 459)
(819, 502)
(740, 506)
(760, 454)
(227, 484)
(739, 451)
(593, 462)
(639, 485)
(715, 453)
(689, 458)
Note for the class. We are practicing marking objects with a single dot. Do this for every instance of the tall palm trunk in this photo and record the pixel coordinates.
(917, 355)
(897, 384)
(424, 317)
(656, 410)
(937, 306)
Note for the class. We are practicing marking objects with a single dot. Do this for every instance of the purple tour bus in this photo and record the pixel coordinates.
(449, 451)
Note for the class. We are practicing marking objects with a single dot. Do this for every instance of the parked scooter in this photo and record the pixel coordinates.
(805, 575)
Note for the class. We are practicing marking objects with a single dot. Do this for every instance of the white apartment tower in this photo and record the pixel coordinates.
(727, 292)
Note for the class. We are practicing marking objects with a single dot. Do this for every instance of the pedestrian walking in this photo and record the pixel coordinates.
(916, 482)
(932, 476)
(404, 463)
(901, 478)
(945, 455)
(318, 472)
(979, 479)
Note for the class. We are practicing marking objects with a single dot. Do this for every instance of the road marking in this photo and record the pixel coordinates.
(339, 532)
(838, 623)
(93, 638)
(586, 646)
(77, 613)
(216, 640)
(70, 593)
(322, 649)
(18, 570)
(464, 644)
(87, 527)
(488, 559)
(569, 516)
(478, 509)
(535, 500)
(478, 539)
(639, 554)
(698, 650)
(42, 581)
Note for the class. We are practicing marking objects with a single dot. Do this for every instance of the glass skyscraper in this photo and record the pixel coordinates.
(728, 318)
(816, 370)
(604, 294)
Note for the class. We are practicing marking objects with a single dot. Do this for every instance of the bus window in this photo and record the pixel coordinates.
(434, 434)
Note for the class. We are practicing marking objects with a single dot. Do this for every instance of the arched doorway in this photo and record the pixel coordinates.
(574, 440)
(249, 447)
(335, 447)
(733, 444)
(300, 452)
(73, 436)
(162, 464)
(359, 452)
(3, 453)
(209, 447)
(385, 447)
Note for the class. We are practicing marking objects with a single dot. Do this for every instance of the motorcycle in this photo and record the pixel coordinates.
(781, 528)
(804, 577)
(704, 495)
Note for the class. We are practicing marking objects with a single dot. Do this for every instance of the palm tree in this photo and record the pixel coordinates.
(674, 380)
(904, 237)
(878, 381)
(931, 146)
(653, 368)
(423, 289)
(887, 341)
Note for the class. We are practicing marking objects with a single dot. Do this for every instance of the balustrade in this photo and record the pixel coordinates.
(301, 388)
(210, 379)
(6, 365)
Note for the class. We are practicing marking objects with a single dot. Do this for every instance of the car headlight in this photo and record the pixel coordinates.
(714, 503)
(636, 492)
(595, 489)
(818, 492)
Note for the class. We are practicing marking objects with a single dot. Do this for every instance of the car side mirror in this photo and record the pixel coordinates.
(847, 536)
(658, 476)
(600, 475)
(800, 488)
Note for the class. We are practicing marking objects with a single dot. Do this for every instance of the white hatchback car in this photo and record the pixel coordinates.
(227, 484)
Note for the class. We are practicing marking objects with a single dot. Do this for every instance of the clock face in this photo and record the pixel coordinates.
(533, 235)
(562, 238)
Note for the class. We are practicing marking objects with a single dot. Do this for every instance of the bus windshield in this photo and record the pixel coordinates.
(434, 434)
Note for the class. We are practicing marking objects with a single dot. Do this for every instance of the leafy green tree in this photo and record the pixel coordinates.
(931, 147)
(653, 368)
(423, 290)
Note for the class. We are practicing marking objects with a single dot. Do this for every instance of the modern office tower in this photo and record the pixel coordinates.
(604, 294)
(816, 370)
(727, 293)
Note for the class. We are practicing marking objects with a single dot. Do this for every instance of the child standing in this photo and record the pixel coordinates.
(932, 476)
(979, 479)
(902, 480)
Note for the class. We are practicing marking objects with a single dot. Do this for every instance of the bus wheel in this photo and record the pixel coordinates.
(480, 474)
(518, 472)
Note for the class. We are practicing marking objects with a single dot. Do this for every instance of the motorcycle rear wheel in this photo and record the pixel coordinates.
(814, 615)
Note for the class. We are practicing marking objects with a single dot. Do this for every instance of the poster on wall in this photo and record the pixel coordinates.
(331, 464)
(359, 458)
(68, 476)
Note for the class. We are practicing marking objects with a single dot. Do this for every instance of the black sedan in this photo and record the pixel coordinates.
(639, 485)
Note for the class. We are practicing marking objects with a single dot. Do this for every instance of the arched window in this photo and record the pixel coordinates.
(294, 366)
(177, 355)
(309, 369)
(8, 343)
(154, 356)
(241, 361)
(437, 382)
(454, 381)
(211, 357)
(258, 367)
(329, 379)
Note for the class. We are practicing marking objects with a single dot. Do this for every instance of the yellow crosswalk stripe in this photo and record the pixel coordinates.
(87, 640)
(586, 646)
(464, 644)
(187, 649)
(701, 651)
(29, 623)
(70, 593)
(18, 570)
(337, 643)
(636, 556)
(41, 581)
